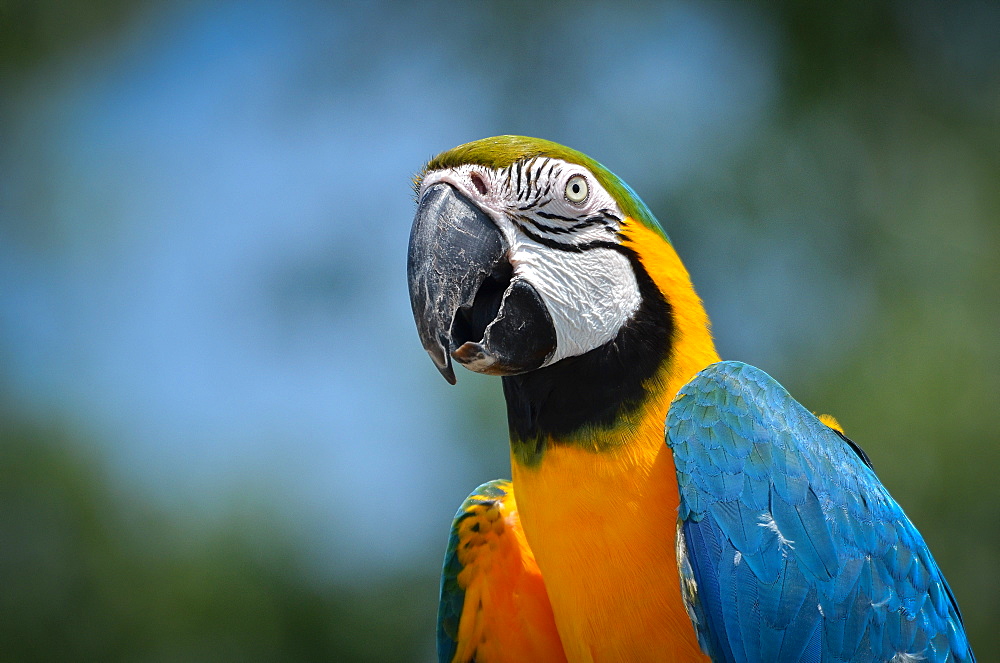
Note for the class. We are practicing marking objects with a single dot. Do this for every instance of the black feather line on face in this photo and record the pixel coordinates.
(556, 217)
(530, 168)
(554, 230)
(568, 246)
(523, 222)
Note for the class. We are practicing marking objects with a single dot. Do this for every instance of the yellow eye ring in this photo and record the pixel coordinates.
(577, 189)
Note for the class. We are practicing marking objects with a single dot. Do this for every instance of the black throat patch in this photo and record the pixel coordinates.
(594, 390)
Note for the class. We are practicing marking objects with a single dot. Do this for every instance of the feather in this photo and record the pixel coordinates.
(831, 569)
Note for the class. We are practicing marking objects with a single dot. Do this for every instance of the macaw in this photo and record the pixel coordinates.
(664, 505)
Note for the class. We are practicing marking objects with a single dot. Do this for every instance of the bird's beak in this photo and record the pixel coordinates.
(466, 301)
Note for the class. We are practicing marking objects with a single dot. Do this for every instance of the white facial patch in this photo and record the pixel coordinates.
(590, 295)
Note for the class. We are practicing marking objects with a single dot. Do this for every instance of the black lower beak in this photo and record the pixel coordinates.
(464, 300)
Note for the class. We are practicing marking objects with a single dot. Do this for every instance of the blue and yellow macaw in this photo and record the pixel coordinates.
(664, 505)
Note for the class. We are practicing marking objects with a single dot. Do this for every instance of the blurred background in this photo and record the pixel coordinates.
(220, 438)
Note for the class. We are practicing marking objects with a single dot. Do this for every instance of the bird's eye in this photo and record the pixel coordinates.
(577, 189)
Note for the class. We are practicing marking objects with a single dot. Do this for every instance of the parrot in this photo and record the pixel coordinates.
(664, 504)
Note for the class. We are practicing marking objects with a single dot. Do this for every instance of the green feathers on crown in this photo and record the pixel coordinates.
(502, 151)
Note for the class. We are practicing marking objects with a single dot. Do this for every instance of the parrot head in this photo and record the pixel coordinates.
(518, 256)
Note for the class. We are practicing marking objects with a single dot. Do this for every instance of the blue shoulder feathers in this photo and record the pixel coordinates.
(790, 548)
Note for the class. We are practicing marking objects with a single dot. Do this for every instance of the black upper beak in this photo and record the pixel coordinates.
(464, 302)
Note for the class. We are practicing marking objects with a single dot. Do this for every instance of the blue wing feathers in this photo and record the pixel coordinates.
(452, 598)
(712, 595)
(796, 550)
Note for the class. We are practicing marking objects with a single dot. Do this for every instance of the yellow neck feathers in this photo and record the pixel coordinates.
(601, 521)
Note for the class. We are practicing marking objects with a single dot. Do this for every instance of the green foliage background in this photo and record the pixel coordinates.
(878, 165)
